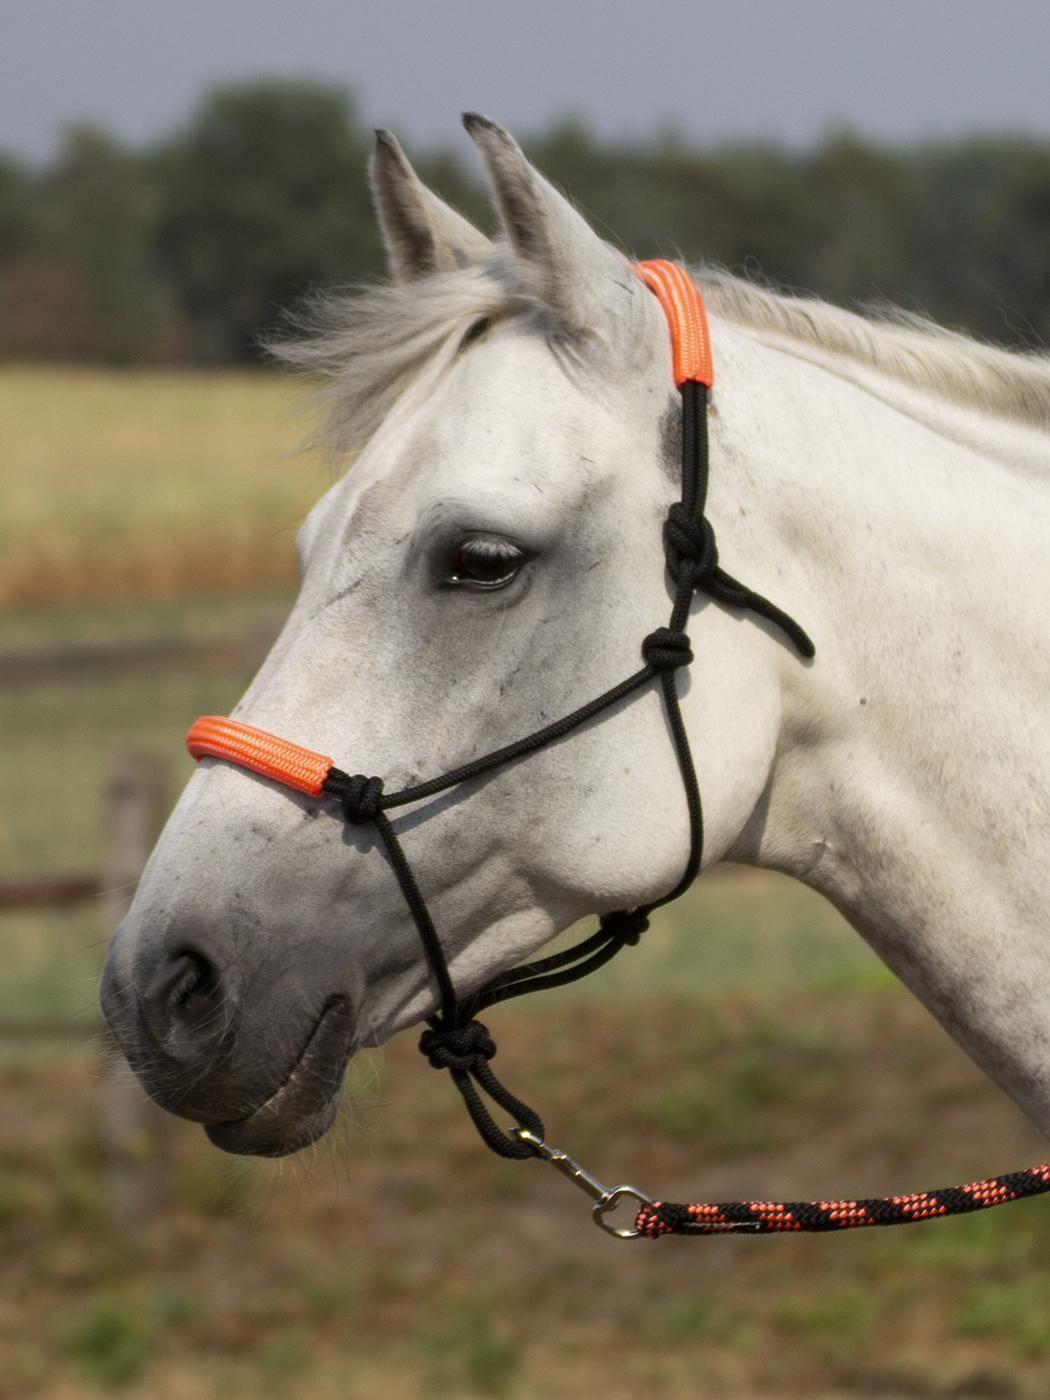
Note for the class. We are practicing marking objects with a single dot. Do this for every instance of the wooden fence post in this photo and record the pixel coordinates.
(136, 1133)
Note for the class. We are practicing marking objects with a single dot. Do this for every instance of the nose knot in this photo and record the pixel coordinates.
(689, 537)
(362, 798)
(666, 650)
(458, 1047)
(627, 924)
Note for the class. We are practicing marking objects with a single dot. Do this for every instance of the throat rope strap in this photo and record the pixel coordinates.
(454, 1039)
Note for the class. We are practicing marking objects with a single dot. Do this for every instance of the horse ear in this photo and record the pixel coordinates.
(420, 232)
(560, 259)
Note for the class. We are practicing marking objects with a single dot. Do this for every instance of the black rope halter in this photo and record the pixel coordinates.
(454, 1039)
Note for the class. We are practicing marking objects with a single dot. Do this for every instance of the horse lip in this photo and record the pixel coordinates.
(304, 1107)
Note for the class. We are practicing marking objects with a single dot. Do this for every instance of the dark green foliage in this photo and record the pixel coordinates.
(79, 278)
(192, 251)
(263, 196)
(985, 250)
(17, 208)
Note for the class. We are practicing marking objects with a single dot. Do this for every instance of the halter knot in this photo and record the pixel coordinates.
(627, 925)
(666, 649)
(689, 536)
(461, 1048)
(362, 798)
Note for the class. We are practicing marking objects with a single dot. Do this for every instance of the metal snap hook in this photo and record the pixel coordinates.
(613, 1198)
(605, 1198)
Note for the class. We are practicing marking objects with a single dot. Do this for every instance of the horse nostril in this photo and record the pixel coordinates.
(197, 980)
(176, 1013)
(187, 1002)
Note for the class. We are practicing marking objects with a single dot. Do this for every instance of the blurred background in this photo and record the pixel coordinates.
(172, 179)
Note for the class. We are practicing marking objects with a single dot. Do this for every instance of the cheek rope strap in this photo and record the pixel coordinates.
(455, 1040)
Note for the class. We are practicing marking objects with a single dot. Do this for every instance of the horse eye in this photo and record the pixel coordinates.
(485, 563)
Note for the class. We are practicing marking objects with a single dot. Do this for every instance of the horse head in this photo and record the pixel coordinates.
(490, 560)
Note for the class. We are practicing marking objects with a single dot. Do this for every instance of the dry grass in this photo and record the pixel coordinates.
(400, 1260)
(117, 485)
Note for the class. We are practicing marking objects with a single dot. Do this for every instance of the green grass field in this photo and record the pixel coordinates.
(751, 1046)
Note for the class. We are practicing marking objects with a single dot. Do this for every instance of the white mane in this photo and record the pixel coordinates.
(367, 345)
(906, 347)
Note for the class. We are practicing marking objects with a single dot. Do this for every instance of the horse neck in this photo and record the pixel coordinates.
(912, 766)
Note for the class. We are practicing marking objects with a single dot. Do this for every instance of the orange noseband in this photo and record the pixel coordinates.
(215, 736)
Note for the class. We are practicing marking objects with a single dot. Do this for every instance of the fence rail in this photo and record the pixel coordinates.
(136, 788)
(135, 1133)
(129, 658)
(48, 892)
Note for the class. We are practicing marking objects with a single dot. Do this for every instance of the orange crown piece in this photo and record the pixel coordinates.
(686, 316)
(215, 736)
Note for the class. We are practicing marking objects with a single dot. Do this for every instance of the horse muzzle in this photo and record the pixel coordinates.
(263, 1079)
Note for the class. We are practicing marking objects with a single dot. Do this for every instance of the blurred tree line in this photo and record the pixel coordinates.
(186, 252)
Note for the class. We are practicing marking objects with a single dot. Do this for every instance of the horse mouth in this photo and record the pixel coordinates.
(305, 1105)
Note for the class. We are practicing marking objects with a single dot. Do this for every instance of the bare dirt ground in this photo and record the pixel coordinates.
(400, 1259)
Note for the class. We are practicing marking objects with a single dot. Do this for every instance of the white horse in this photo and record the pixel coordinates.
(492, 560)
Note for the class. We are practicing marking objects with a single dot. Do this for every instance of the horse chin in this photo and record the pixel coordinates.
(304, 1107)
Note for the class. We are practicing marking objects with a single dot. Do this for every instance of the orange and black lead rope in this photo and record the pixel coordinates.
(784, 1217)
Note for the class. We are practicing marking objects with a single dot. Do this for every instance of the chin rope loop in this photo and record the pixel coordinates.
(465, 1051)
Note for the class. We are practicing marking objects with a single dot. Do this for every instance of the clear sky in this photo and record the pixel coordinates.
(788, 69)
